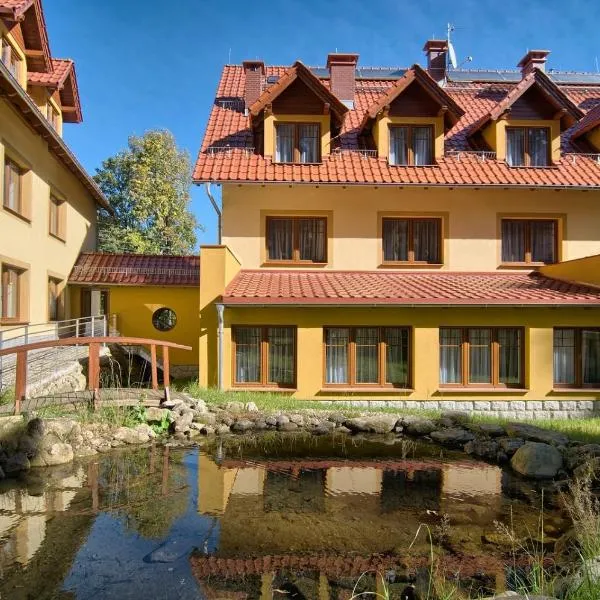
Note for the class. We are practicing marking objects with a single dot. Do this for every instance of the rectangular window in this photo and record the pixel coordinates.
(298, 143)
(481, 356)
(529, 240)
(412, 240)
(55, 227)
(10, 293)
(10, 58)
(13, 186)
(577, 357)
(265, 356)
(411, 145)
(52, 115)
(53, 299)
(297, 239)
(376, 356)
(528, 146)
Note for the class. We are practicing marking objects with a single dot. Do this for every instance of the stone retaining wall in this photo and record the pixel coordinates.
(503, 409)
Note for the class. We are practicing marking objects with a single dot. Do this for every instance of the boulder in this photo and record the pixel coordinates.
(171, 404)
(35, 428)
(131, 436)
(183, 422)
(485, 448)
(287, 426)
(242, 425)
(222, 429)
(29, 445)
(510, 445)
(16, 464)
(61, 428)
(342, 429)
(452, 437)
(373, 424)
(235, 407)
(456, 416)
(52, 454)
(320, 430)
(208, 430)
(271, 421)
(281, 420)
(420, 427)
(537, 460)
(250, 407)
(10, 426)
(491, 429)
(531, 433)
(298, 419)
(156, 415)
(205, 417)
(260, 425)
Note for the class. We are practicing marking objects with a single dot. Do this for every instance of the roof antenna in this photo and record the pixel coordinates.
(229, 57)
(451, 53)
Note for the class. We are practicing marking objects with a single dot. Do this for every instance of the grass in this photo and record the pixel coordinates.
(7, 395)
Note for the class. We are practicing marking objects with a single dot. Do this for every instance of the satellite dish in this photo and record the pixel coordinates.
(452, 55)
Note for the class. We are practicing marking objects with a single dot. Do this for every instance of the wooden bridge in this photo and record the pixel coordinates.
(93, 383)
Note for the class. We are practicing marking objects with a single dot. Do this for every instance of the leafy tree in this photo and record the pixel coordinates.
(148, 186)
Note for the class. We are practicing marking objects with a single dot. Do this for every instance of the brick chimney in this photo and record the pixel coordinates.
(534, 59)
(342, 73)
(254, 73)
(437, 52)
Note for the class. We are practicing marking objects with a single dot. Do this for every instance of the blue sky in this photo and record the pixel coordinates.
(146, 64)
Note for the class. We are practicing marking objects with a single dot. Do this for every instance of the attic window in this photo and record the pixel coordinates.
(528, 146)
(297, 143)
(10, 58)
(411, 145)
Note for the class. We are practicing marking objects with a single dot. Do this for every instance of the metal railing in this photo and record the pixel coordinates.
(482, 155)
(364, 153)
(213, 150)
(13, 337)
(573, 156)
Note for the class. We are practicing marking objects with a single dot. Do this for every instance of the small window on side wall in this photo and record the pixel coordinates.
(164, 319)
(528, 146)
(411, 145)
(297, 239)
(10, 58)
(56, 222)
(298, 143)
(12, 198)
(10, 293)
(53, 299)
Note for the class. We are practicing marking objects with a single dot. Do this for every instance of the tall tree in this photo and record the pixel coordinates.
(148, 186)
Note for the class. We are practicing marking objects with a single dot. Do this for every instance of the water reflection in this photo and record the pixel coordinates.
(243, 520)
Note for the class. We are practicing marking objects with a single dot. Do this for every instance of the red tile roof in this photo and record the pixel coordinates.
(589, 122)
(136, 269)
(61, 70)
(14, 7)
(404, 288)
(227, 153)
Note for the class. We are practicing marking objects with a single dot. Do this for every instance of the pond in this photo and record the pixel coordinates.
(266, 517)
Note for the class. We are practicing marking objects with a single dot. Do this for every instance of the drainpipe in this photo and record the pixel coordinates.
(220, 311)
(217, 210)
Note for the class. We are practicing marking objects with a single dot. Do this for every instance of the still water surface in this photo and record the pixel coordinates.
(278, 517)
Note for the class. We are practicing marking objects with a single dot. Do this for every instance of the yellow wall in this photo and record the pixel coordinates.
(271, 120)
(381, 132)
(582, 270)
(22, 75)
(29, 243)
(473, 219)
(135, 305)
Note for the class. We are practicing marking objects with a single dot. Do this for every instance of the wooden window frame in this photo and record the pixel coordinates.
(526, 154)
(381, 359)
(59, 205)
(578, 385)
(410, 154)
(56, 282)
(9, 166)
(52, 115)
(295, 260)
(528, 240)
(13, 58)
(495, 359)
(297, 126)
(5, 273)
(264, 358)
(411, 251)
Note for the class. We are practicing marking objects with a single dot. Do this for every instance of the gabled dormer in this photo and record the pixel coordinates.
(524, 128)
(294, 119)
(408, 124)
(586, 133)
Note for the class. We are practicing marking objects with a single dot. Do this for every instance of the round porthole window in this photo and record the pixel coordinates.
(164, 319)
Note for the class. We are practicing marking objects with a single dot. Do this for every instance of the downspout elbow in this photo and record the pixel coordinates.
(217, 210)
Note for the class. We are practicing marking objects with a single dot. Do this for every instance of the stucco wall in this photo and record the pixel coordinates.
(29, 243)
(473, 219)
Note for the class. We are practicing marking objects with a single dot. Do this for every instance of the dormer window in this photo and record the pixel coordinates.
(10, 58)
(298, 143)
(52, 115)
(411, 145)
(528, 146)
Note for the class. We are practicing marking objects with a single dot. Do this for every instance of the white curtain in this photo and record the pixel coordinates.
(450, 355)
(426, 240)
(509, 342)
(515, 147)
(337, 341)
(247, 354)
(367, 345)
(396, 357)
(422, 145)
(281, 355)
(312, 240)
(284, 145)
(308, 142)
(543, 241)
(564, 356)
(12, 186)
(480, 356)
(280, 239)
(398, 145)
(590, 355)
(513, 240)
(538, 146)
(395, 239)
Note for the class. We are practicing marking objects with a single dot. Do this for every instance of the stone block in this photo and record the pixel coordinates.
(482, 405)
(377, 404)
(542, 414)
(568, 405)
(499, 405)
(508, 414)
(534, 405)
(397, 404)
(465, 405)
(552, 405)
(560, 414)
(587, 405)
(447, 405)
(518, 405)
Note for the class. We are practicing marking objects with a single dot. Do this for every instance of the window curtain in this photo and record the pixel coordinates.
(367, 345)
(396, 356)
(398, 145)
(395, 239)
(422, 145)
(337, 341)
(537, 138)
(312, 239)
(509, 342)
(308, 142)
(280, 239)
(515, 147)
(513, 241)
(12, 186)
(281, 355)
(543, 242)
(450, 356)
(247, 354)
(426, 240)
(480, 356)
(284, 146)
(52, 300)
(564, 356)
(590, 355)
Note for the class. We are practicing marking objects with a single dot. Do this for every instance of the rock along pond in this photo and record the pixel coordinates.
(276, 516)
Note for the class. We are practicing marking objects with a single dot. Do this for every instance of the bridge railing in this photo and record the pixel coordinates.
(94, 344)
